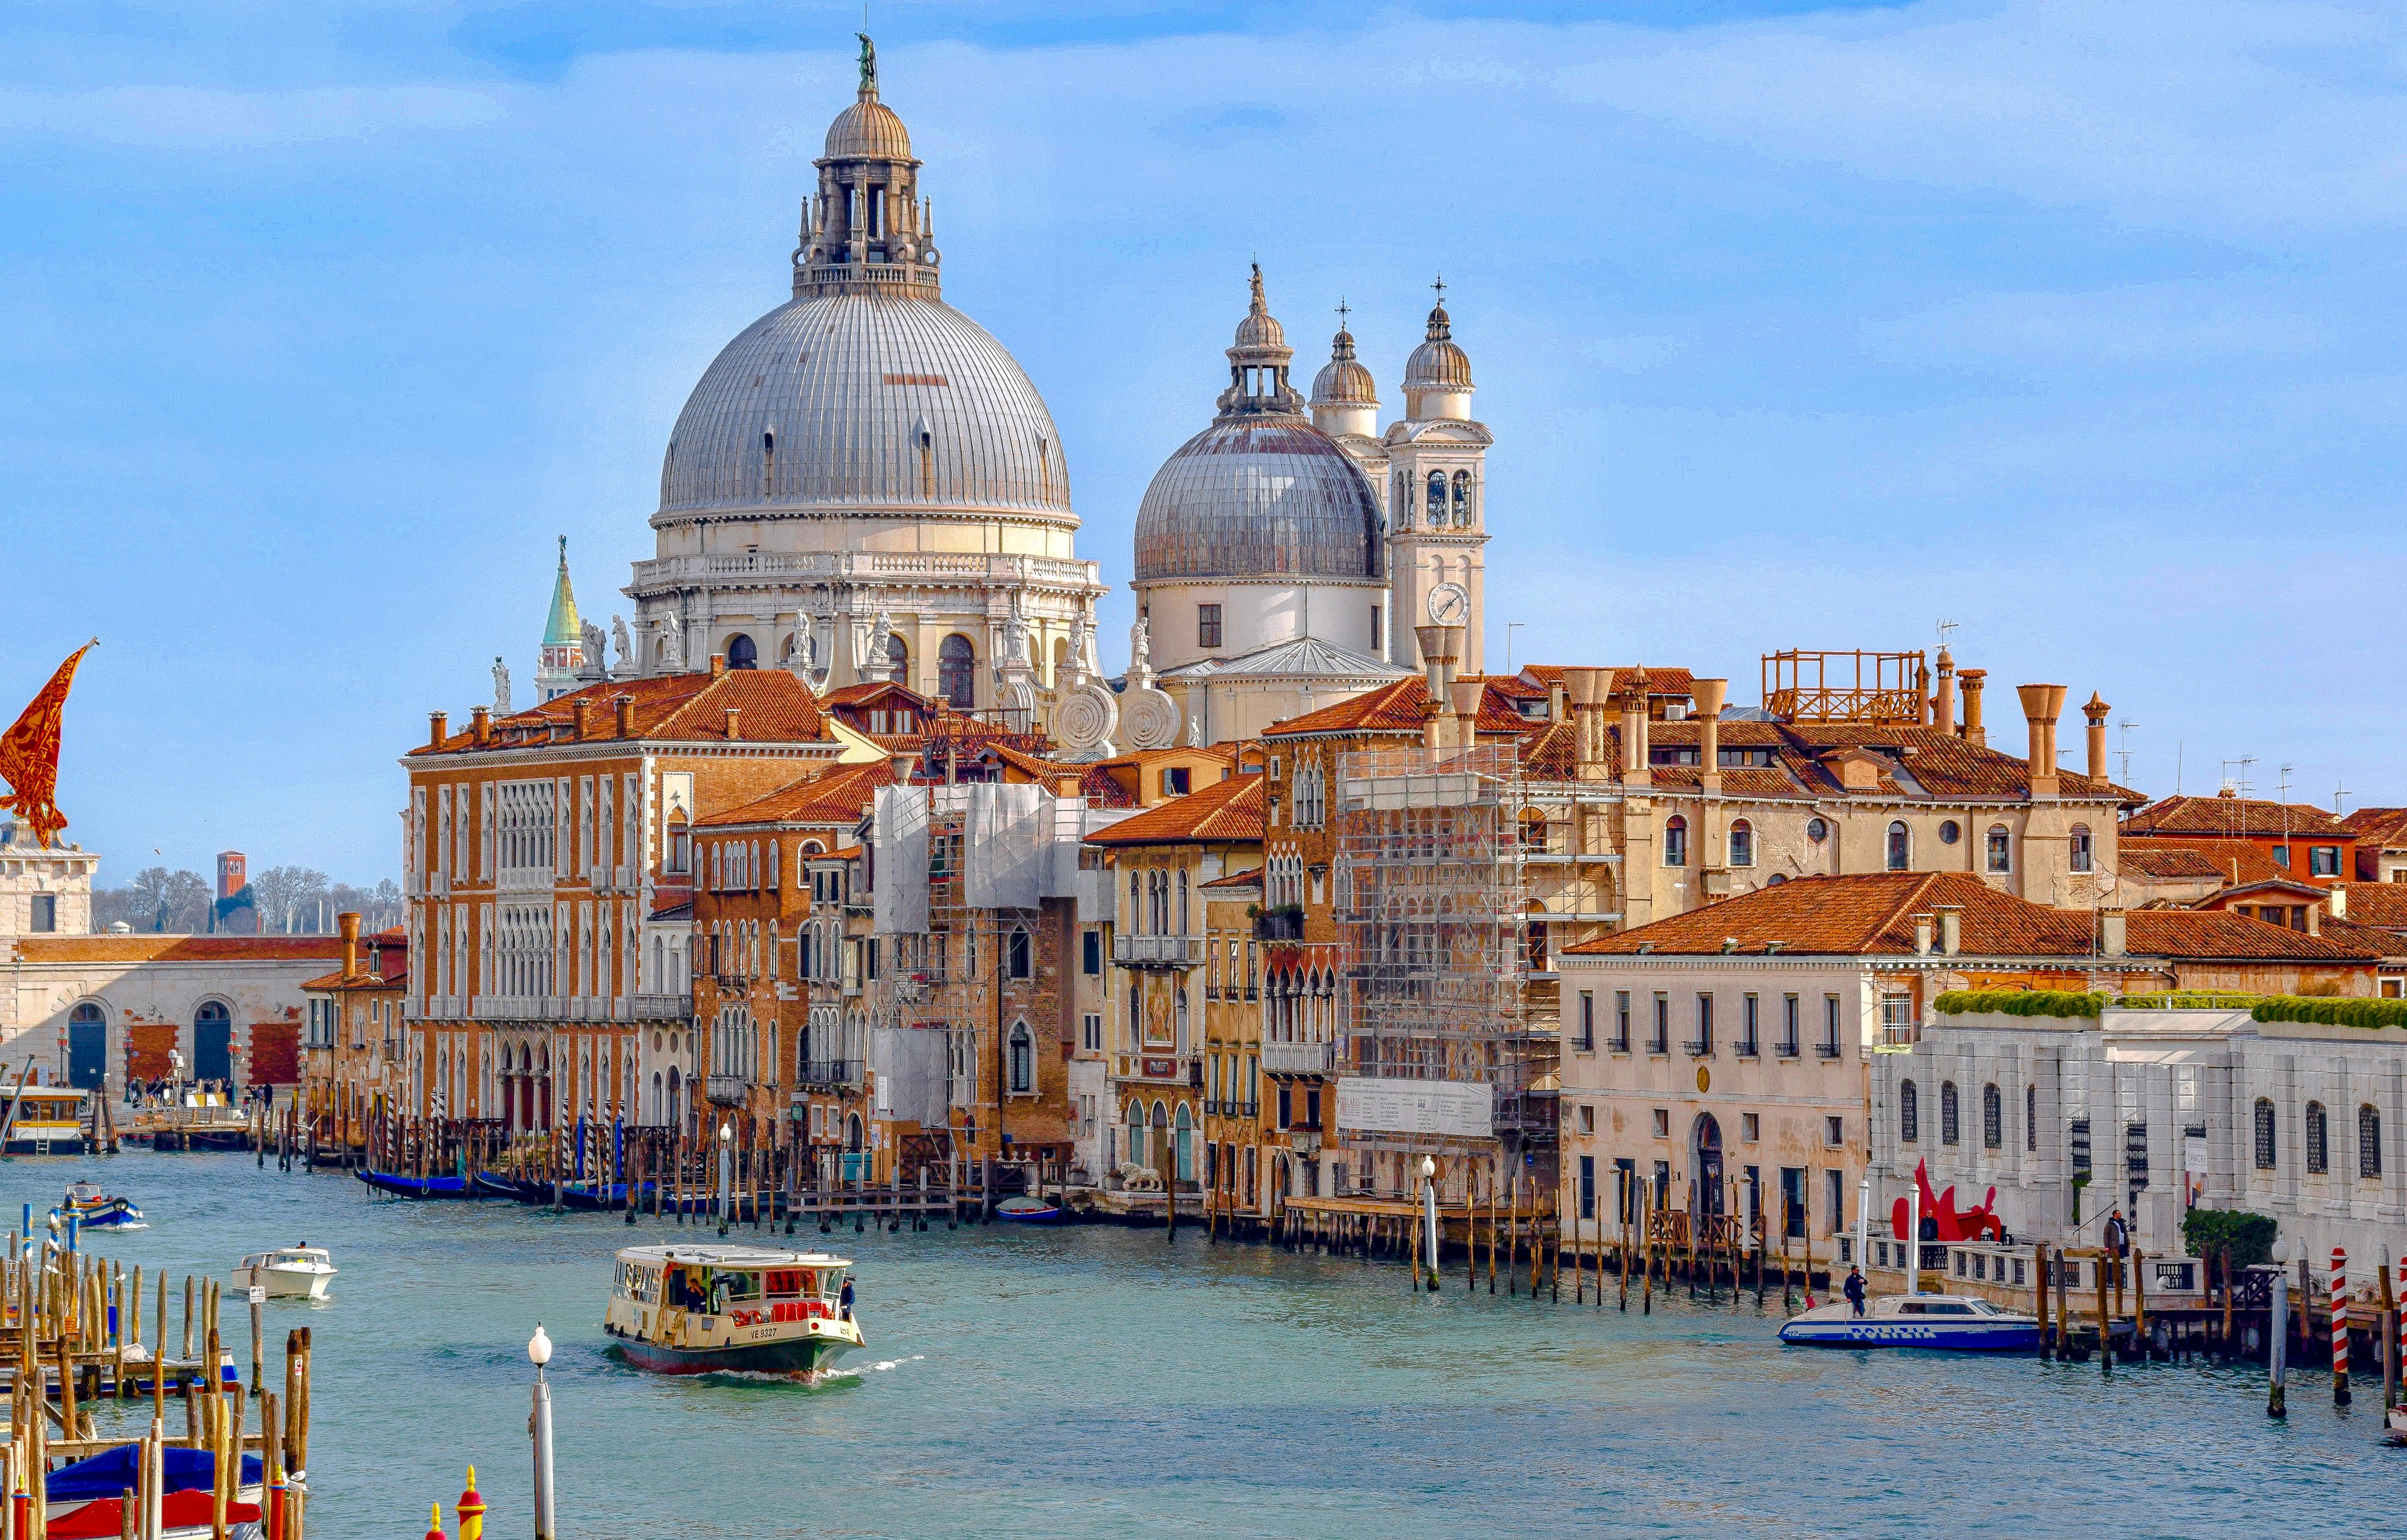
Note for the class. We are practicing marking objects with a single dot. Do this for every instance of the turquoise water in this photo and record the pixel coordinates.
(1094, 1381)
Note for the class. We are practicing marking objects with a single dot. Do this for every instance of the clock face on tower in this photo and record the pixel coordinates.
(1449, 604)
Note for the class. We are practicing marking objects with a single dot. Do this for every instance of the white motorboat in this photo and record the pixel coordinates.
(295, 1272)
(1956, 1323)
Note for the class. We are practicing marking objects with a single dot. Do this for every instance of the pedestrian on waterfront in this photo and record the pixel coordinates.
(845, 1302)
(2118, 1234)
(1856, 1288)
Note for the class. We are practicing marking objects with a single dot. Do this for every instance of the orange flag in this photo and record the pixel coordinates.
(29, 752)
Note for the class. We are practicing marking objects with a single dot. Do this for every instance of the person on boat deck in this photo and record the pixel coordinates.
(845, 1303)
(1856, 1288)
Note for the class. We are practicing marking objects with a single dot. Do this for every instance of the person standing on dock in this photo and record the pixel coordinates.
(2118, 1234)
(1855, 1289)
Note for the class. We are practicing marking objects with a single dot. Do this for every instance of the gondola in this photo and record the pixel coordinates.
(413, 1186)
(611, 1196)
(493, 1184)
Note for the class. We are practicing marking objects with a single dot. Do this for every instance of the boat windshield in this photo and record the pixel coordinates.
(1982, 1308)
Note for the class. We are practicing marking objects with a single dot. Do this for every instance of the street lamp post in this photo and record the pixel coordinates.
(2274, 1404)
(1429, 1209)
(726, 1175)
(539, 1426)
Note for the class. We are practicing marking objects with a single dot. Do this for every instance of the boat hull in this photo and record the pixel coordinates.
(1944, 1334)
(803, 1357)
(413, 1186)
(1027, 1211)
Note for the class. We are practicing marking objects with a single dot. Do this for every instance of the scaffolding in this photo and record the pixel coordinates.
(1431, 907)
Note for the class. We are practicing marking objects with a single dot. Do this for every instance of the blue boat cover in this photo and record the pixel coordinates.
(112, 1475)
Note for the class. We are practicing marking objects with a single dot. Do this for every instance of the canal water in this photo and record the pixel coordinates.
(1099, 1381)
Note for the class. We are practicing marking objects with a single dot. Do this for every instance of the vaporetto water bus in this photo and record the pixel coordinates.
(745, 1309)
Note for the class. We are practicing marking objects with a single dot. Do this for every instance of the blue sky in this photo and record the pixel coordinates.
(1796, 325)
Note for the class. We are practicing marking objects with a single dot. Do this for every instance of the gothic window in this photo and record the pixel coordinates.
(2318, 1142)
(1018, 960)
(741, 653)
(1993, 1118)
(1947, 1125)
(898, 659)
(1901, 847)
(956, 672)
(2264, 1135)
(1462, 498)
(1024, 1058)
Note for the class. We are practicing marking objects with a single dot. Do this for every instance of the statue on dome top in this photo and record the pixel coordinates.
(868, 65)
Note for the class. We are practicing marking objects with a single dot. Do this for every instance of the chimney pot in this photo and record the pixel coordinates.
(1951, 930)
(1709, 697)
(1943, 707)
(1922, 929)
(1974, 679)
(2097, 711)
(735, 725)
(1636, 767)
(437, 726)
(626, 705)
(2338, 898)
(580, 712)
(718, 665)
(348, 924)
(480, 724)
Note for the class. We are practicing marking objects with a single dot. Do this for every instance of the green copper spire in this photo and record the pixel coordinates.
(562, 631)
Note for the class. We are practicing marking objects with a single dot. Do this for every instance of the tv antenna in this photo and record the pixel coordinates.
(2124, 752)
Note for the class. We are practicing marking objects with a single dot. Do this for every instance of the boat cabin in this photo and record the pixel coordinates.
(713, 1290)
(39, 1117)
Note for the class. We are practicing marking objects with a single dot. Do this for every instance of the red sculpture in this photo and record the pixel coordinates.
(1971, 1225)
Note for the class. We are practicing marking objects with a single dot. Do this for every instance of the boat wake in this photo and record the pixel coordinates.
(889, 1366)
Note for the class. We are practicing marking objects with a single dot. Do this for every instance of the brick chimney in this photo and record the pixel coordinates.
(437, 729)
(2112, 933)
(348, 924)
(1558, 701)
(2097, 711)
(1591, 691)
(1951, 929)
(580, 711)
(718, 665)
(1945, 707)
(626, 705)
(1635, 766)
(1438, 651)
(1974, 733)
(1710, 696)
(735, 725)
(480, 724)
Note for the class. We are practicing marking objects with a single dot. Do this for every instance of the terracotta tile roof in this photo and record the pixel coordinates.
(2234, 860)
(1227, 810)
(877, 689)
(1400, 707)
(1101, 790)
(2381, 941)
(2379, 904)
(681, 909)
(839, 794)
(1250, 878)
(2231, 818)
(2383, 826)
(180, 948)
(1661, 683)
(772, 706)
(1871, 914)
(2282, 886)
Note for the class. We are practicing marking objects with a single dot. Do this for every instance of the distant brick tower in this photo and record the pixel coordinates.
(564, 641)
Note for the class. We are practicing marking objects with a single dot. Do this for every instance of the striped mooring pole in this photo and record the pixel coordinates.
(2339, 1325)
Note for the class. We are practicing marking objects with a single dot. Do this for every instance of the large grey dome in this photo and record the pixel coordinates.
(1259, 496)
(858, 401)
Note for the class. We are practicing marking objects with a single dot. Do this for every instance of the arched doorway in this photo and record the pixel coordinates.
(212, 1042)
(87, 1047)
(1705, 1165)
(855, 1164)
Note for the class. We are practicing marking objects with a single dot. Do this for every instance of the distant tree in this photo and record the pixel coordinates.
(156, 899)
(285, 895)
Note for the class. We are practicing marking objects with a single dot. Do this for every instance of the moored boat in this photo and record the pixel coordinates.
(413, 1186)
(1026, 1210)
(42, 1120)
(1956, 1323)
(294, 1272)
(711, 1309)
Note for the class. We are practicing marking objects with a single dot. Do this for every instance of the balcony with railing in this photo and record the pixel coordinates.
(1284, 923)
(1829, 1048)
(1298, 1058)
(1157, 951)
(829, 1074)
(1701, 1047)
(727, 1089)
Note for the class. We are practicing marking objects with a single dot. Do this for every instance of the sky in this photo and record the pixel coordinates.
(1796, 325)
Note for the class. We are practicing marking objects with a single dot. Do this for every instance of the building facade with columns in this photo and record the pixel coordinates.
(865, 484)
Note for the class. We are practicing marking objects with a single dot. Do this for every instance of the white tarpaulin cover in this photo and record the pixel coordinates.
(913, 1072)
(1444, 1108)
(1005, 852)
(900, 828)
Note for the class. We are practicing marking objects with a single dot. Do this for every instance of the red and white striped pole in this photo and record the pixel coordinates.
(2339, 1325)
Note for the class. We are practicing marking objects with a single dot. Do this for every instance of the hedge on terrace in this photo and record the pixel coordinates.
(2338, 1013)
(2058, 1003)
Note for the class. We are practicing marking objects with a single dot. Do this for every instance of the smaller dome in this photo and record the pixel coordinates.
(868, 130)
(1437, 363)
(1343, 380)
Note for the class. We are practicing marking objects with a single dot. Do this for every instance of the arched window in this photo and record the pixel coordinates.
(1900, 847)
(87, 1044)
(898, 660)
(1742, 843)
(2318, 1140)
(1136, 1152)
(2030, 1118)
(1948, 1129)
(741, 653)
(1018, 960)
(1462, 498)
(2264, 1135)
(1024, 1058)
(1186, 1144)
(1182, 902)
(2084, 855)
(2369, 1141)
(680, 842)
(1179, 1001)
(1993, 1118)
(2001, 849)
(1675, 841)
(1136, 904)
(1909, 1113)
(956, 672)
(1436, 498)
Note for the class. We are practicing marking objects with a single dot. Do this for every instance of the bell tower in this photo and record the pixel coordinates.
(1438, 518)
